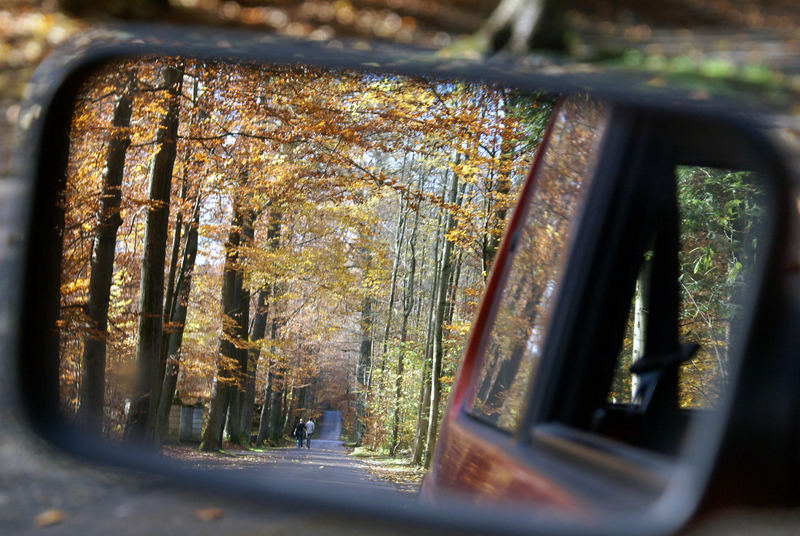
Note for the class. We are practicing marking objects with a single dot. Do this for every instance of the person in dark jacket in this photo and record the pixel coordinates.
(299, 432)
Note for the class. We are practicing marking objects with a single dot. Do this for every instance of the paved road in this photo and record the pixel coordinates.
(327, 462)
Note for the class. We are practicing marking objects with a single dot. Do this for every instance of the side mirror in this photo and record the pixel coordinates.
(486, 271)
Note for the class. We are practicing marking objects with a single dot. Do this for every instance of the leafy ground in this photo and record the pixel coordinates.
(231, 457)
(399, 470)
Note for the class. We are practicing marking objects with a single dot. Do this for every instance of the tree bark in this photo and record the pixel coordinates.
(425, 379)
(169, 300)
(93, 365)
(141, 419)
(223, 386)
(238, 431)
(260, 327)
(408, 303)
(398, 241)
(277, 384)
(640, 320)
(363, 364)
(177, 324)
(524, 25)
(438, 328)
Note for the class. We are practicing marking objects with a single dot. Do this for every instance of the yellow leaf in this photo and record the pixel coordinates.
(209, 514)
(50, 517)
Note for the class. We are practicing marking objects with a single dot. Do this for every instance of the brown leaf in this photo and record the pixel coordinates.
(209, 514)
(49, 517)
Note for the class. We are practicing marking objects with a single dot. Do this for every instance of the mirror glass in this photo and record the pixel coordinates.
(248, 246)
(275, 270)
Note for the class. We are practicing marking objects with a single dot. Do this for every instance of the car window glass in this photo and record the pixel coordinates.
(718, 210)
(516, 338)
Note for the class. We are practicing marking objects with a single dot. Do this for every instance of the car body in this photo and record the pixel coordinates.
(535, 417)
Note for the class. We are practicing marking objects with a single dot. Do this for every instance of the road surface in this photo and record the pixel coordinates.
(328, 463)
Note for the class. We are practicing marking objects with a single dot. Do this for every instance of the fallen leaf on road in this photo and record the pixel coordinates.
(50, 517)
(209, 514)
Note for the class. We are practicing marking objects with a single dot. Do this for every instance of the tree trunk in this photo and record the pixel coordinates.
(438, 346)
(640, 320)
(277, 384)
(398, 241)
(425, 378)
(364, 361)
(141, 419)
(260, 326)
(263, 420)
(524, 25)
(225, 378)
(169, 301)
(259, 329)
(93, 365)
(177, 323)
(239, 432)
(408, 303)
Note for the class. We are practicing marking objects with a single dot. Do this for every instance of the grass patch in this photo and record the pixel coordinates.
(366, 452)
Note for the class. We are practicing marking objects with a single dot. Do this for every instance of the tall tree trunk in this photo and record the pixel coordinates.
(177, 323)
(438, 328)
(263, 420)
(408, 303)
(398, 242)
(239, 432)
(235, 402)
(141, 419)
(257, 334)
(260, 325)
(640, 320)
(364, 361)
(289, 406)
(93, 365)
(169, 300)
(277, 383)
(223, 386)
(425, 378)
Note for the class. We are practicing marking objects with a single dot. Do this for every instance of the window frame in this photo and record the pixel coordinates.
(555, 420)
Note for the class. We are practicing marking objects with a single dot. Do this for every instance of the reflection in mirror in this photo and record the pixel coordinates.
(719, 211)
(516, 339)
(247, 247)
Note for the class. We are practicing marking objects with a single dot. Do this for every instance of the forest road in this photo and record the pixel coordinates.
(327, 463)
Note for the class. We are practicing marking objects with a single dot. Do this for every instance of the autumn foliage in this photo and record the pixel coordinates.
(328, 237)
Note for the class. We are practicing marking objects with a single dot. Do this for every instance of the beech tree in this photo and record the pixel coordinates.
(102, 261)
(151, 288)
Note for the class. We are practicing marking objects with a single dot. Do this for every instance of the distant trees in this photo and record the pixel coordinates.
(329, 236)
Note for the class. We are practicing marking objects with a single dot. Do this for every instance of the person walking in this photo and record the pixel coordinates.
(299, 432)
(309, 430)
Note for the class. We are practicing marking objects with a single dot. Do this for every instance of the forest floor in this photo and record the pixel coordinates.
(397, 469)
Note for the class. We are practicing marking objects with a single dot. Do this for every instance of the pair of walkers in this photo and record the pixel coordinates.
(303, 431)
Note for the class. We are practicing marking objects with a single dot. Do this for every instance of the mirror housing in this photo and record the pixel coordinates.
(702, 478)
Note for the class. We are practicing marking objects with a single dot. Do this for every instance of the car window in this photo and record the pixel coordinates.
(515, 341)
(718, 209)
